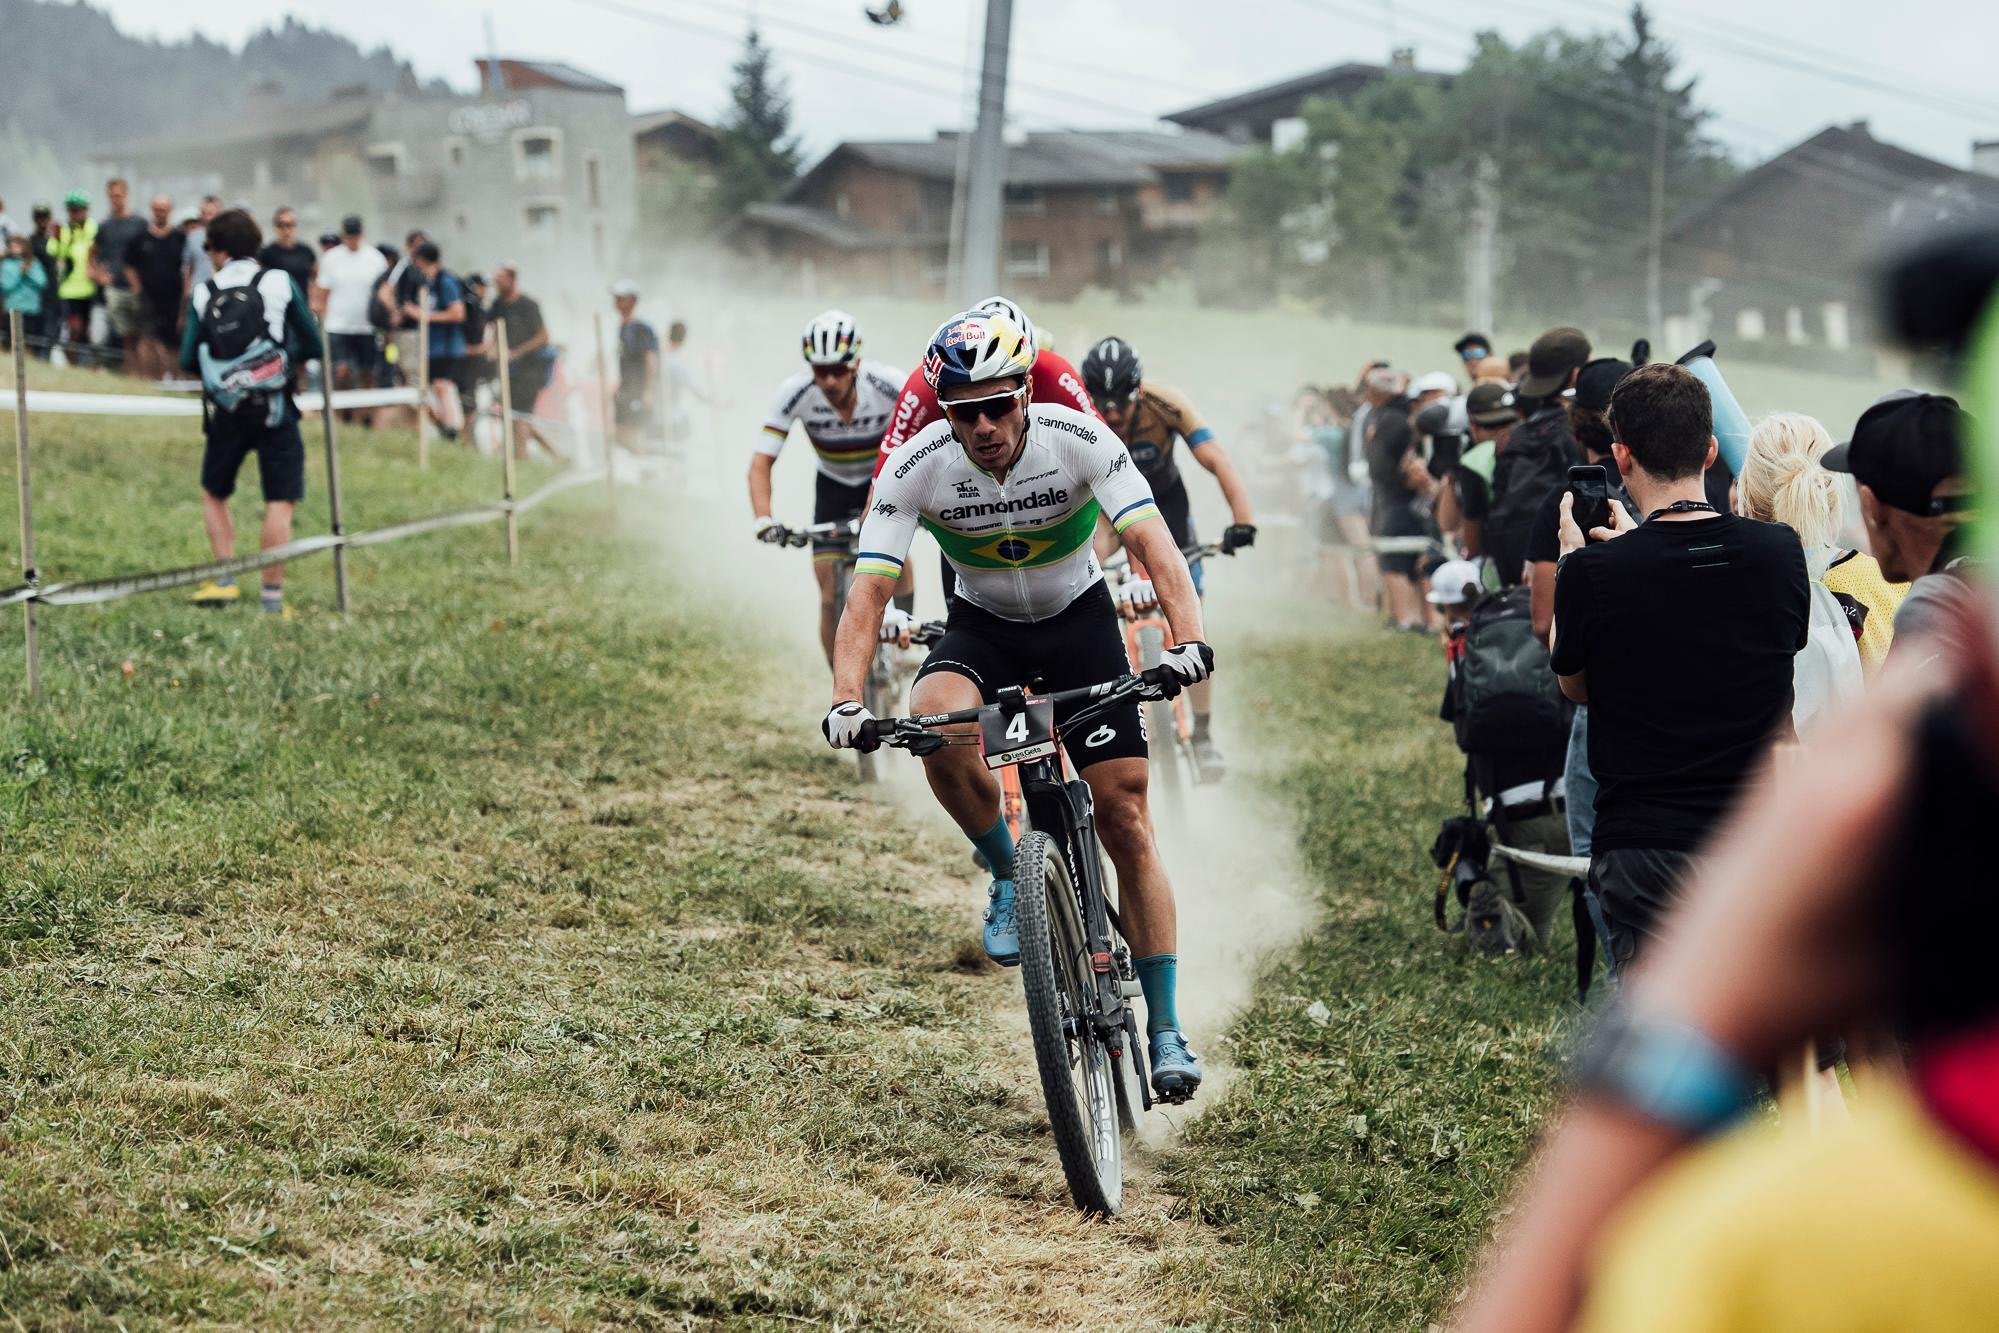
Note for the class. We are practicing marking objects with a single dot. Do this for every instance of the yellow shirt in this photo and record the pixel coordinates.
(1869, 601)
(1881, 1224)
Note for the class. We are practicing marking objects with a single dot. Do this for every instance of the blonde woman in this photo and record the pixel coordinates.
(1782, 482)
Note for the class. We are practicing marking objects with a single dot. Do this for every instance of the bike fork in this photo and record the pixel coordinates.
(1115, 1023)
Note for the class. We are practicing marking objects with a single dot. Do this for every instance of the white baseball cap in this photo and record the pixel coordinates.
(1436, 381)
(624, 287)
(1448, 583)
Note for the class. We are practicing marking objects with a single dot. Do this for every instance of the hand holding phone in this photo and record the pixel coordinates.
(1589, 484)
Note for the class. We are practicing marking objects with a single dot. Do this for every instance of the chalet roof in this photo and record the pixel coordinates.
(1057, 158)
(269, 125)
(1342, 80)
(523, 74)
(818, 223)
(1851, 157)
(646, 122)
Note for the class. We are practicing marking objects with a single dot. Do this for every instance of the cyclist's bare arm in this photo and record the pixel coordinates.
(760, 466)
(859, 633)
(1151, 546)
(1210, 455)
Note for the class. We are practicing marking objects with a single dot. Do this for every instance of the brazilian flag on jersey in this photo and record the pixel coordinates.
(1017, 548)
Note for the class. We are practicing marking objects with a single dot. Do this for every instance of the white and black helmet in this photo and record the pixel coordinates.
(833, 339)
(1112, 371)
(999, 305)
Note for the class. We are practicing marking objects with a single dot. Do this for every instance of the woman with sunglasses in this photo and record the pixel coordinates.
(1012, 490)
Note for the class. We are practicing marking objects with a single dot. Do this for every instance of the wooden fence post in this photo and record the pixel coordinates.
(507, 440)
(332, 467)
(29, 609)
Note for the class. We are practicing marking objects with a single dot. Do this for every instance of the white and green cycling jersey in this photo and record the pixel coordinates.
(1020, 547)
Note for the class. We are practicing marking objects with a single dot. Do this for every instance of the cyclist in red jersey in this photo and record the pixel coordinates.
(1051, 379)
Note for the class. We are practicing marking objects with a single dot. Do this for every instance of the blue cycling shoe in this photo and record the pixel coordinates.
(1002, 935)
(1176, 1071)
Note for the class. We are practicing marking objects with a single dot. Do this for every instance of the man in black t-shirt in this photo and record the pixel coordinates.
(530, 358)
(287, 252)
(1388, 448)
(152, 263)
(1679, 633)
(637, 399)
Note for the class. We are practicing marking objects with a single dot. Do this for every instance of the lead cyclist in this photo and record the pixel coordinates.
(1012, 490)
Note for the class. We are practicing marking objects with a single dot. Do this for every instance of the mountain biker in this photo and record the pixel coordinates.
(1149, 417)
(844, 404)
(1012, 490)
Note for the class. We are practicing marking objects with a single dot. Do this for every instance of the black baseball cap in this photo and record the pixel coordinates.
(1904, 447)
(1595, 381)
(1550, 360)
(1490, 404)
(1478, 340)
(351, 225)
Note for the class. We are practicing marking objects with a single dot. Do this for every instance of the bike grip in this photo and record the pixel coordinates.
(870, 738)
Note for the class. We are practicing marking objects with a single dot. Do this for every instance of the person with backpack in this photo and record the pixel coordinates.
(1538, 454)
(248, 331)
(446, 297)
(1511, 722)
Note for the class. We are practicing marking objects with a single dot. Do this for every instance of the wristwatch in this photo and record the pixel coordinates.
(1667, 1071)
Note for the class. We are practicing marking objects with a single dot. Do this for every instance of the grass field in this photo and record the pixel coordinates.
(511, 953)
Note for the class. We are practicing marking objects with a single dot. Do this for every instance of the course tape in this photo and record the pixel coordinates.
(91, 591)
(1575, 866)
(148, 405)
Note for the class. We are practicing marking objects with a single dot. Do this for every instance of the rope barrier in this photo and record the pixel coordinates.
(65, 403)
(93, 591)
(1576, 867)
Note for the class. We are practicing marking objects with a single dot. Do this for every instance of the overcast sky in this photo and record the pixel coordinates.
(1919, 70)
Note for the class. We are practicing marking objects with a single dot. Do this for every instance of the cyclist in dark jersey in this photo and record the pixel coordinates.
(1149, 417)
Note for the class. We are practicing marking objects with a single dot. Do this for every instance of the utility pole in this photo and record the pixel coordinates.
(986, 164)
(1481, 256)
(1655, 301)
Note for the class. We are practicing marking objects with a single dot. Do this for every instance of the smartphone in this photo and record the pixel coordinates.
(1590, 485)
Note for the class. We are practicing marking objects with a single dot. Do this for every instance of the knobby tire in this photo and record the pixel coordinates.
(1054, 973)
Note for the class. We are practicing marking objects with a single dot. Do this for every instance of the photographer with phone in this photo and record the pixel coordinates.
(1678, 627)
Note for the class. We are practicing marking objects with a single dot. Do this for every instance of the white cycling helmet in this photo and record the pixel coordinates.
(999, 305)
(833, 339)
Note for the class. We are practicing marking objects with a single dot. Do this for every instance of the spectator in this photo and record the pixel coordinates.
(345, 285)
(23, 286)
(1538, 454)
(1852, 892)
(1492, 370)
(196, 266)
(445, 296)
(41, 231)
(1516, 365)
(1679, 633)
(1400, 483)
(70, 248)
(681, 387)
(1589, 422)
(109, 270)
(152, 269)
(478, 365)
(1472, 349)
(1906, 454)
(530, 357)
(287, 252)
(637, 398)
(398, 296)
(1462, 503)
(7, 225)
(1782, 482)
(266, 428)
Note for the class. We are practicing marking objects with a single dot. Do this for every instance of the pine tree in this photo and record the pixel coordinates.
(759, 154)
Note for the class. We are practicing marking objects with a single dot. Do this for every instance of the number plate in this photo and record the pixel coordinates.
(1006, 740)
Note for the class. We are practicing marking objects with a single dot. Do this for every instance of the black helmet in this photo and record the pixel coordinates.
(1111, 371)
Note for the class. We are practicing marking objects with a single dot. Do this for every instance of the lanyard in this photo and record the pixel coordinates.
(1683, 507)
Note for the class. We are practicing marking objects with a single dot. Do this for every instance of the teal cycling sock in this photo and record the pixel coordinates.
(1158, 977)
(996, 845)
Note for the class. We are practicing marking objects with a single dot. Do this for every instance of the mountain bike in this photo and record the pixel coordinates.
(1075, 968)
(886, 676)
(1169, 725)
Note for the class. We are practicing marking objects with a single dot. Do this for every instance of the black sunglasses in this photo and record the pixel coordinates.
(1106, 403)
(967, 411)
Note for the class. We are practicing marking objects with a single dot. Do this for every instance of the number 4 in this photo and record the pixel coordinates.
(1016, 730)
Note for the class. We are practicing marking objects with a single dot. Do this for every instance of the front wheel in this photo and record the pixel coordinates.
(1077, 1077)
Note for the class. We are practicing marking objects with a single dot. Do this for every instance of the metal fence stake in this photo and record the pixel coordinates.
(610, 415)
(29, 611)
(507, 440)
(423, 381)
(332, 467)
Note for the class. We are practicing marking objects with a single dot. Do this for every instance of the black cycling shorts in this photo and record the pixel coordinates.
(833, 502)
(280, 454)
(1082, 644)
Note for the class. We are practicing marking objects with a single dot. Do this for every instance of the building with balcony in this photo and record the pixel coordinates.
(539, 166)
(1114, 209)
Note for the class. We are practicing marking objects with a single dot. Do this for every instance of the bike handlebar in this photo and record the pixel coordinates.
(1122, 560)
(918, 734)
